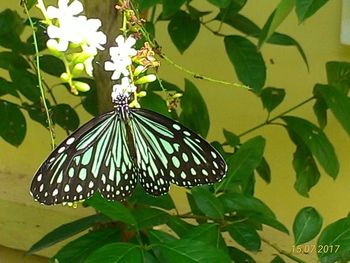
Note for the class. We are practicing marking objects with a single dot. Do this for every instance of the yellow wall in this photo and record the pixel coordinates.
(236, 110)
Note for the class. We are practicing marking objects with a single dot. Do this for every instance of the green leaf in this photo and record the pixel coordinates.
(145, 4)
(220, 3)
(7, 87)
(112, 209)
(183, 30)
(239, 256)
(269, 221)
(243, 163)
(156, 237)
(337, 236)
(52, 65)
(10, 22)
(282, 10)
(179, 226)
(89, 102)
(239, 22)
(26, 83)
(277, 259)
(190, 251)
(30, 3)
(207, 202)
(305, 167)
(66, 231)
(147, 217)
(11, 26)
(197, 13)
(320, 109)
(41, 38)
(337, 102)
(263, 169)
(231, 138)
(316, 141)
(116, 253)
(193, 105)
(13, 125)
(248, 27)
(272, 97)
(232, 9)
(10, 60)
(79, 249)
(170, 7)
(245, 235)
(37, 112)
(285, 40)
(306, 8)
(307, 224)
(209, 234)
(139, 196)
(65, 116)
(247, 61)
(338, 75)
(237, 202)
(194, 208)
(155, 102)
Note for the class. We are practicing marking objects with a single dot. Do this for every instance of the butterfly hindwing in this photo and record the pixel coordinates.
(86, 162)
(166, 151)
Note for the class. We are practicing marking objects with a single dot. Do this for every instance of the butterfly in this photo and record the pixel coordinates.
(115, 151)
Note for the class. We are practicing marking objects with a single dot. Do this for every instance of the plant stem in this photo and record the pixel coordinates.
(199, 76)
(282, 252)
(37, 62)
(269, 121)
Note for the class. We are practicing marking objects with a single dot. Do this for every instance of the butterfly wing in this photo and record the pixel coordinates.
(166, 151)
(95, 157)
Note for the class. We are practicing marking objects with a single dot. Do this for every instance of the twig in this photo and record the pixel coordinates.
(282, 252)
(269, 121)
(37, 61)
(199, 76)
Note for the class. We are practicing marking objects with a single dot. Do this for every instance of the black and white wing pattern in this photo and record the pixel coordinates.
(167, 152)
(95, 157)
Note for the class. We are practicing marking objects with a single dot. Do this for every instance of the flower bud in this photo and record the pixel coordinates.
(135, 104)
(146, 79)
(81, 86)
(141, 94)
(52, 45)
(65, 77)
(78, 69)
(139, 70)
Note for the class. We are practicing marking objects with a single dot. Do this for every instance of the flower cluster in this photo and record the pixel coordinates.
(73, 38)
(76, 40)
(132, 65)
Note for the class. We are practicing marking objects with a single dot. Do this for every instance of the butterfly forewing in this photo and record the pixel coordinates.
(166, 151)
(88, 160)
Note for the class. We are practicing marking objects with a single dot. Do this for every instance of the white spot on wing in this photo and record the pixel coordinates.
(60, 150)
(70, 140)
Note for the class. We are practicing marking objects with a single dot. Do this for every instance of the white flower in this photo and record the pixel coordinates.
(121, 56)
(80, 31)
(124, 88)
(88, 65)
(66, 32)
(124, 47)
(63, 9)
(91, 37)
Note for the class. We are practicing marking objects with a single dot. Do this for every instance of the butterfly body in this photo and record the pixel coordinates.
(115, 151)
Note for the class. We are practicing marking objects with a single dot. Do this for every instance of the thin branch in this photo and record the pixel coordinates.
(203, 77)
(269, 121)
(42, 91)
(282, 252)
